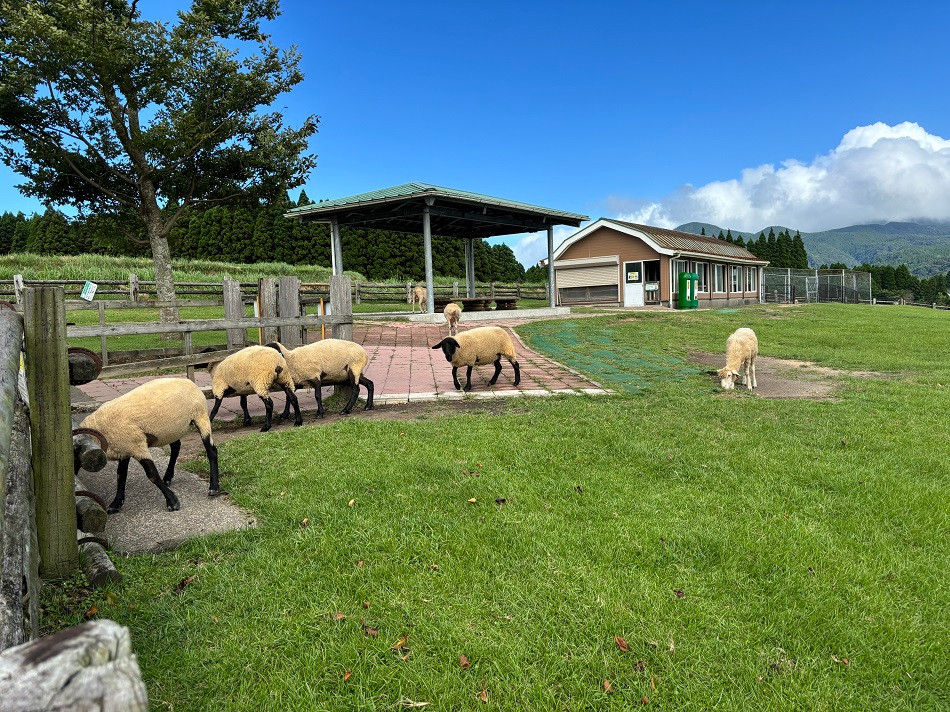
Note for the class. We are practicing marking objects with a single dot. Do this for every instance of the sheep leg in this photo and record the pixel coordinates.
(247, 415)
(268, 412)
(286, 413)
(214, 411)
(212, 452)
(171, 501)
(497, 371)
(517, 372)
(173, 458)
(122, 472)
(468, 378)
(754, 384)
(292, 399)
(318, 394)
(455, 378)
(354, 394)
(369, 391)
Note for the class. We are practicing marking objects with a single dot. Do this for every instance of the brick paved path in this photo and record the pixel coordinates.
(404, 368)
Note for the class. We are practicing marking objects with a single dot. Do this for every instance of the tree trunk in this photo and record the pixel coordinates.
(162, 260)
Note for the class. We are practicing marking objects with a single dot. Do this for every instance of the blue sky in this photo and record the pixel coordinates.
(663, 112)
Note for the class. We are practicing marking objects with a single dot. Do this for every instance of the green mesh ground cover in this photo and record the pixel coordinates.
(623, 364)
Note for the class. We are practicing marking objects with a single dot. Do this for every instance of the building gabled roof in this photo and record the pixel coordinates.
(455, 213)
(669, 242)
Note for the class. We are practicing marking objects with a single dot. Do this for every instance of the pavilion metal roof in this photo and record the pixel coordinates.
(453, 212)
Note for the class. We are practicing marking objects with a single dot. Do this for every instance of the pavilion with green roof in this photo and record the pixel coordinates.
(434, 210)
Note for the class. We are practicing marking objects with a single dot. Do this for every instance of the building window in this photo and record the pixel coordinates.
(750, 279)
(702, 270)
(719, 278)
(735, 274)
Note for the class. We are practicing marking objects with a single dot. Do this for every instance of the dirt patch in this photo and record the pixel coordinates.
(787, 378)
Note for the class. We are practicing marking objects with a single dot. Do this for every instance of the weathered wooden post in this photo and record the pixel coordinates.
(233, 309)
(341, 304)
(455, 290)
(267, 299)
(408, 292)
(18, 288)
(47, 375)
(288, 304)
(133, 287)
(356, 292)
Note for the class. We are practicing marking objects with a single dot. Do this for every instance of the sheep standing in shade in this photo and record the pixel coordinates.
(155, 414)
(453, 312)
(742, 347)
(255, 369)
(419, 295)
(477, 347)
(326, 363)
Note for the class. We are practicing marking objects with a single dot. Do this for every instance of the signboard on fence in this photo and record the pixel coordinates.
(88, 291)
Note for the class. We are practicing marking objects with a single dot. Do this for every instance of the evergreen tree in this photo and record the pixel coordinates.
(701, 232)
(800, 255)
(721, 236)
(303, 199)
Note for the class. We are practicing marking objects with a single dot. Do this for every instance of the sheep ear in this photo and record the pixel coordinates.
(274, 345)
(438, 345)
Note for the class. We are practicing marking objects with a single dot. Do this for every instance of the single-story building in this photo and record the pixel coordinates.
(624, 264)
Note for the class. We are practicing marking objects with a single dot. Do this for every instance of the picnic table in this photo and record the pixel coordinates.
(441, 302)
(475, 303)
(506, 303)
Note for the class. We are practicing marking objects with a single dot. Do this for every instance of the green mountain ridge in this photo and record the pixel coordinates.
(923, 247)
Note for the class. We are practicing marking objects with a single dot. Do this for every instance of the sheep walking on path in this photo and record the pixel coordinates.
(742, 347)
(326, 363)
(155, 414)
(477, 347)
(255, 369)
(453, 312)
(419, 296)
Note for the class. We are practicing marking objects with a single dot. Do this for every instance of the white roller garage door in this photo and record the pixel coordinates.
(587, 276)
(588, 283)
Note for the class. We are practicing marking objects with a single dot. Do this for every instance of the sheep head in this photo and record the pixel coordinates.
(727, 377)
(449, 346)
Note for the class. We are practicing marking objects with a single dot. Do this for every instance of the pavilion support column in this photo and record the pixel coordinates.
(551, 294)
(427, 247)
(470, 266)
(336, 248)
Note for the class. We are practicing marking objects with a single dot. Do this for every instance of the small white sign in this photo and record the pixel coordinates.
(88, 291)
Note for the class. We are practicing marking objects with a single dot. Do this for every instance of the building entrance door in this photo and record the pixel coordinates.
(633, 284)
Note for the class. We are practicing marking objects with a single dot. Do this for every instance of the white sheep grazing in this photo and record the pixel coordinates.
(155, 414)
(255, 369)
(453, 312)
(476, 347)
(326, 363)
(419, 295)
(741, 350)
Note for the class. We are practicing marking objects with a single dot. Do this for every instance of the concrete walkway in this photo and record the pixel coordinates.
(404, 368)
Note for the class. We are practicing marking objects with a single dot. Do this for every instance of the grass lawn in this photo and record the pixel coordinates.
(753, 554)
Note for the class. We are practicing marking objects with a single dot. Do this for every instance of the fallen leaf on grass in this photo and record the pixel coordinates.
(579, 490)
(368, 631)
(305, 523)
(652, 683)
(180, 586)
(351, 503)
(608, 688)
(91, 611)
(841, 661)
(483, 695)
(501, 500)
(414, 705)
(622, 644)
(434, 567)
(359, 564)
(403, 642)
(338, 615)
(672, 645)
(365, 604)
(111, 598)
(639, 666)
(464, 663)
(473, 500)
(644, 700)
(679, 592)
(347, 675)
(282, 494)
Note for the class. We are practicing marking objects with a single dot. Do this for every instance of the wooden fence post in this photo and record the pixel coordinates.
(47, 374)
(341, 304)
(408, 292)
(288, 304)
(103, 346)
(455, 290)
(267, 299)
(133, 287)
(18, 288)
(356, 292)
(233, 309)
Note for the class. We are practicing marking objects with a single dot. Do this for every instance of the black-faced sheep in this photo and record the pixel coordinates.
(477, 347)
(742, 347)
(255, 369)
(326, 363)
(419, 295)
(453, 312)
(155, 414)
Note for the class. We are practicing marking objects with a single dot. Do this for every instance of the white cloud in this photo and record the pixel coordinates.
(534, 246)
(877, 173)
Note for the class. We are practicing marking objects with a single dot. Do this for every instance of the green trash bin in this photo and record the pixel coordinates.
(689, 281)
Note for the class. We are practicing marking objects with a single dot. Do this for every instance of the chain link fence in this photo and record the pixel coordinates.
(789, 286)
